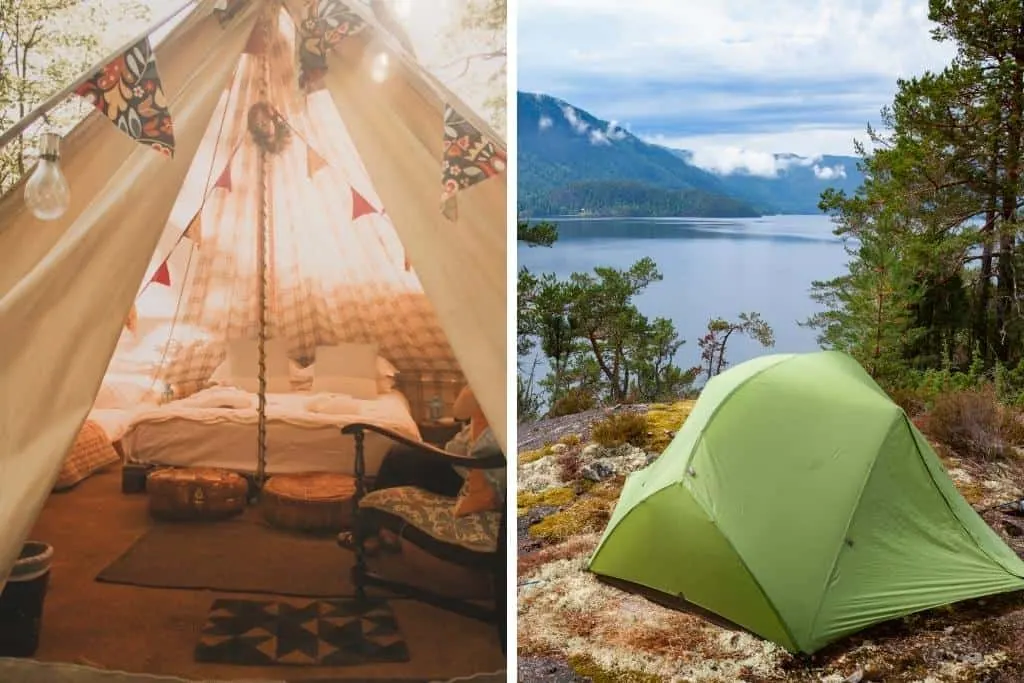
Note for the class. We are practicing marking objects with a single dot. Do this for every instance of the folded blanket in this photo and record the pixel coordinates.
(221, 397)
(333, 404)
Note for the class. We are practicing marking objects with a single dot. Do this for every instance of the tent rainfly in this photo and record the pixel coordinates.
(319, 187)
(800, 502)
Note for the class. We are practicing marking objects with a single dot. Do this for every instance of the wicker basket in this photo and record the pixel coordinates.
(309, 502)
(196, 494)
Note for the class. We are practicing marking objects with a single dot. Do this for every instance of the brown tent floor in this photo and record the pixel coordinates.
(155, 631)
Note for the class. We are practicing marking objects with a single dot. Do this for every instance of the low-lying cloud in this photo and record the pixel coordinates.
(736, 160)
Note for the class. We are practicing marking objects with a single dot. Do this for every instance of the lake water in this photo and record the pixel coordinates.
(712, 268)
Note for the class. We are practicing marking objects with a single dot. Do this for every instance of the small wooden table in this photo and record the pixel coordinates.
(319, 501)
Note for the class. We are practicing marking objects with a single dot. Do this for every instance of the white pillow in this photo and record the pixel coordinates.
(243, 359)
(347, 360)
(357, 387)
(123, 392)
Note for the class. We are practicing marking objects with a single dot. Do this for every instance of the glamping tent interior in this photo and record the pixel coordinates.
(273, 250)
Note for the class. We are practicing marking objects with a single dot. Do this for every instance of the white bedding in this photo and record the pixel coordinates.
(114, 421)
(197, 432)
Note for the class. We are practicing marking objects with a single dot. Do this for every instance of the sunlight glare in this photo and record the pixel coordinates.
(380, 67)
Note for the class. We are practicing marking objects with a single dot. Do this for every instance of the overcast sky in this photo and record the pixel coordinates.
(733, 80)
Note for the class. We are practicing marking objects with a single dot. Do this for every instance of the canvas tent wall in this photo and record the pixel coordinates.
(801, 503)
(66, 286)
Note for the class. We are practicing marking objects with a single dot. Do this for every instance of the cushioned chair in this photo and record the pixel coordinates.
(428, 520)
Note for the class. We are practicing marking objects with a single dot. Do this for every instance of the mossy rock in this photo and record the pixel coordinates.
(588, 513)
(664, 420)
(556, 497)
(533, 456)
(586, 667)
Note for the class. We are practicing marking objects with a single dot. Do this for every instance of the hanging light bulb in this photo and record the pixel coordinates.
(47, 194)
(380, 67)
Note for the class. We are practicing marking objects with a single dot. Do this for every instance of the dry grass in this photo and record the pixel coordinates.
(974, 424)
(619, 429)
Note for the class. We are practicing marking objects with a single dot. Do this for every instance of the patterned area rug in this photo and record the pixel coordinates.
(302, 633)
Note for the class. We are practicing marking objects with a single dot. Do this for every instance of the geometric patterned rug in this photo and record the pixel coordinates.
(344, 632)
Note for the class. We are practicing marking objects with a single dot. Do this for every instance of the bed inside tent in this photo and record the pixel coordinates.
(305, 259)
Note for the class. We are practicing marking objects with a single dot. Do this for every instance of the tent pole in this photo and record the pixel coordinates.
(263, 219)
(43, 109)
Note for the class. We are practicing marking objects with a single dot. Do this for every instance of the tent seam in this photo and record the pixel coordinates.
(849, 522)
(945, 500)
(747, 569)
(725, 399)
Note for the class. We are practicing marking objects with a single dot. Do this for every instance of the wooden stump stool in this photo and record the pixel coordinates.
(195, 494)
(309, 502)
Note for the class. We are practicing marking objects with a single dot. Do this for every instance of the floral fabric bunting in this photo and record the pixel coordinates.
(327, 22)
(128, 92)
(469, 157)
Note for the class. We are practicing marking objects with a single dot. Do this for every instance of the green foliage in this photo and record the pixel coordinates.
(630, 198)
(485, 22)
(713, 343)
(621, 428)
(932, 293)
(572, 401)
(537, 234)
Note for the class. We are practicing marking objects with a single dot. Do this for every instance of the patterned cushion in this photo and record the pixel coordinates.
(91, 452)
(435, 515)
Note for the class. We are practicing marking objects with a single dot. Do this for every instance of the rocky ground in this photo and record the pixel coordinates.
(575, 628)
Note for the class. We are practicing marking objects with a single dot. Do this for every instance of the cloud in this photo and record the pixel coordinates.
(545, 122)
(578, 124)
(752, 71)
(599, 137)
(829, 172)
(729, 160)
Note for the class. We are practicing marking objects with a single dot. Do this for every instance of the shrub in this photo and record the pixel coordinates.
(573, 401)
(621, 428)
(912, 401)
(974, 424)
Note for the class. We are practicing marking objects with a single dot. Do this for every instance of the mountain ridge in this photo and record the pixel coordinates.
(561, 146)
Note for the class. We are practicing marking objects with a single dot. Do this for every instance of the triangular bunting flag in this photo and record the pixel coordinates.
(314, 162)
(128, 92)
(470, 157)
(326, 23)
(131, 322)
(162, 276)
(360, 205)
(194, 231)
(224, 181)
(257, 43)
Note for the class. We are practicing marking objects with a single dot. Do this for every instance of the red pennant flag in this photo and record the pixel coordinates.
(257, 44)
(224, 181)
(360, 205)
(131, 322)
(314, 162)
(162, 276)
(194, 231)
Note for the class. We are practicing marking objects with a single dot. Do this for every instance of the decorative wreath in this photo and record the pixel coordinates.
(268, 128)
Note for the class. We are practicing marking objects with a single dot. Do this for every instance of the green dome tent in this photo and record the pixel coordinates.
(800, 502)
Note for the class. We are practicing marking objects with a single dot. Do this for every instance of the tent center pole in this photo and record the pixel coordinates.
(263, 228)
